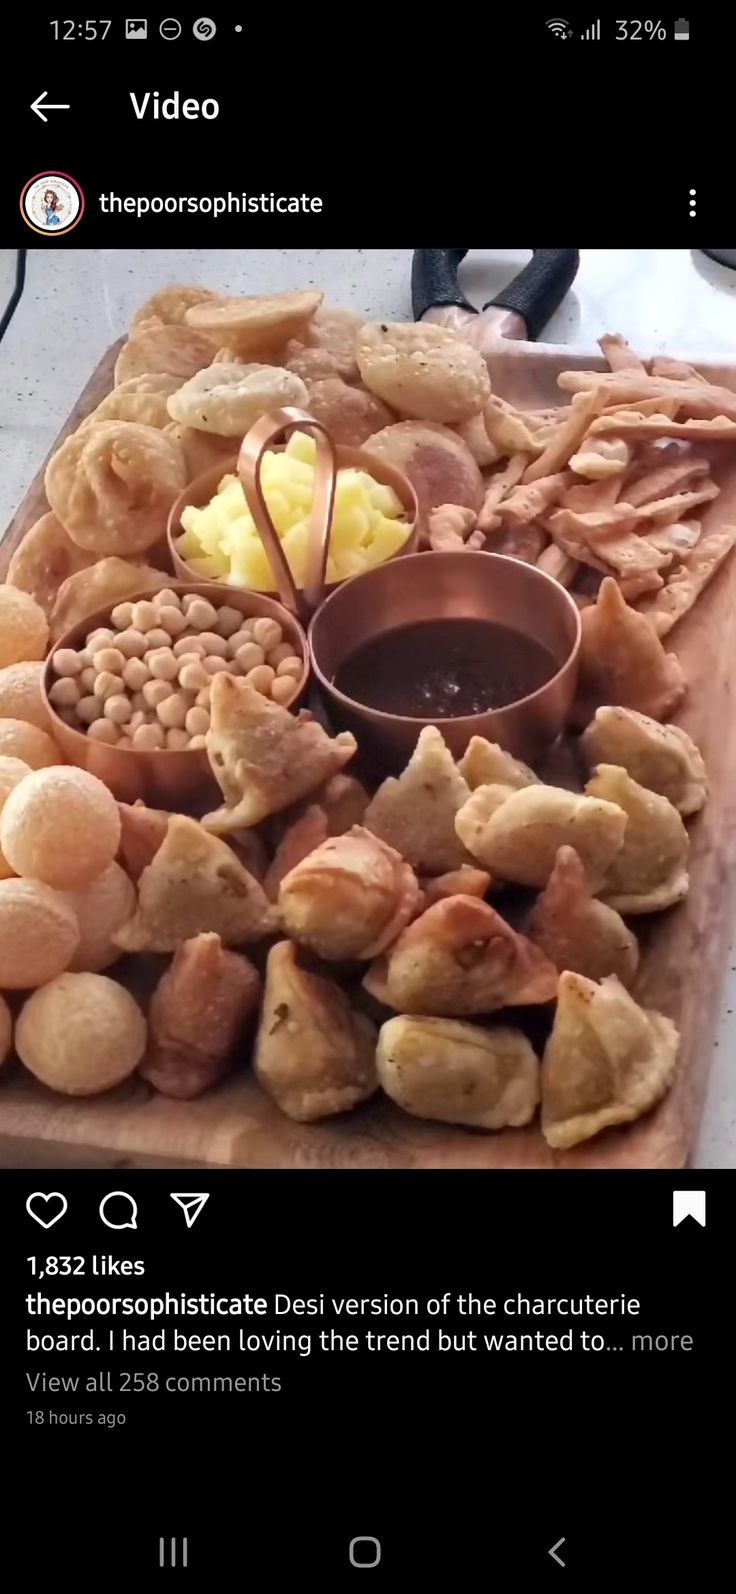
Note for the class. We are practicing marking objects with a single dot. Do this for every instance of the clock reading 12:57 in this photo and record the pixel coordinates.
(68, 29)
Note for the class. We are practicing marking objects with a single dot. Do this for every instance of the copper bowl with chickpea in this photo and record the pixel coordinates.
(130, 704)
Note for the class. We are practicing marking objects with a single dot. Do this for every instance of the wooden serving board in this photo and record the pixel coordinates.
(683, 958)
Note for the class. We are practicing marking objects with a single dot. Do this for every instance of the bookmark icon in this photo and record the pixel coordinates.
(191, 1204)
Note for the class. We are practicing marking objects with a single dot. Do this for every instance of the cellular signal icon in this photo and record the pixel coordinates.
(593, 32)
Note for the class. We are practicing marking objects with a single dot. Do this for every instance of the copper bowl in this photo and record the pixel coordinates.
(443, 586)
(177, 781)
(203, 488)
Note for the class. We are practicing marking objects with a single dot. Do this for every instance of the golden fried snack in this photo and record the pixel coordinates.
(416, 813)
(439, 466)
(462, 882)
(685, 585)
(351, 414)
(618, 353)
(498, 486)
(101, 908)
(140, 398)
(659, 477)
(263, 757)
(350, 898)
(577, 932)
(452, 528)
(650, 870)
(142, 832)
(474, 435)
(112, 485)
(195, 883)
(661, 757)
(44, 559)
(19, 739)
(344, 802)
(422, 370)
(256, 322)
(303, 836)
(460, 957)
(198, 1013)
(24, 630)
(6, 1031)
(597, 460)
(227, 399)
(38, 934)
(102, 586)
(60, 825)
(21, 697)
(81, 1034)
(606, 1062)
(175, 350)
(458, 1073)
(314, 1055)
(328, 347)
(484, 763)
(517, 834)
(201, 450)
(12, 772)
(622, 661)
(250, 850)
(169, 305)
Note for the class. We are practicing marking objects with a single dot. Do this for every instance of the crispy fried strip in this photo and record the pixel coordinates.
(676, 370)
(633, 587)
(619, 354)
(555, 562)
(567, 438)
(679, 538)
(686, 583)
(500, 483)
(526, 503)
(667, 407)
(507, 427)
(592, 495)
(701, 400)
(622, 517)
(721, 429)
(659, 482)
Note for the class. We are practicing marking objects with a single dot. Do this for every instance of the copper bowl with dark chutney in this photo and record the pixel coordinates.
(474, 643)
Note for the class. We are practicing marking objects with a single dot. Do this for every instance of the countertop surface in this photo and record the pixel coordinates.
(77, 301)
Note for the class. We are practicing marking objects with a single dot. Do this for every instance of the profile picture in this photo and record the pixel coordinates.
(52, 202)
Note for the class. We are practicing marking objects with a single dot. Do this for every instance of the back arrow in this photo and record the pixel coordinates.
(557, 1558)
(37, 103)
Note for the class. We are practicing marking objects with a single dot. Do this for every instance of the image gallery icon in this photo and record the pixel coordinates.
(136, 28)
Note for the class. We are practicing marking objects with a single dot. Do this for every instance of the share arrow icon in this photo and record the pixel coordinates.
(191, 1205)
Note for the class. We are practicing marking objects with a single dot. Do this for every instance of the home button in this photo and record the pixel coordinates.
(365, 1551)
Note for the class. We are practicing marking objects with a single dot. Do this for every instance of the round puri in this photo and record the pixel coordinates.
(24, 630)
(12, 772)
(44, 559)
(101, 909)
(169, 305)
(112, 484)
(19, 739)
(21, 697)
(62, 826)
(81, 1034)
(38, 934)
(6, 1030)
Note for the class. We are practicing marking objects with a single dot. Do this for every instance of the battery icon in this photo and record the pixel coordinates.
(682, 28)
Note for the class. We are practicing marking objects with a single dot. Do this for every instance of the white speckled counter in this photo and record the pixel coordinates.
(77, 301)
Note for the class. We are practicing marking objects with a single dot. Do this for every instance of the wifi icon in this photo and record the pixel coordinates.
(559, 27)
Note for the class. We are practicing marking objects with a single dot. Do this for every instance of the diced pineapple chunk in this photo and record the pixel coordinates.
(387, 536)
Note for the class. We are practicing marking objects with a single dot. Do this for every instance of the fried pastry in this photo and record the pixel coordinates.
(101, 586)
(43, 561)
(168, 306)
(344, 802)
(422, 370)
(263, 757)
(142, 831)
(258, 321)
(457, 1073)
(416, 813)
(112, 484)
(661, 757)
(622, 661)
(486, 764)
(303, 836)
(314, 1055)
(577, 932)
(195, 883)
(351, 414)
(606, 1062)
(201, 450)
(328, 347)
(463, 882)
(228, 399)
(198, 1012)
(517, 834)
(460, 957)
(175, 350)
(686, 583)
(439, 466)
(141, 398)
(650, 870)
(350, 898)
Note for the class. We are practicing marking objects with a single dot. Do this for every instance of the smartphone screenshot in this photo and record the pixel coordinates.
(367, 760)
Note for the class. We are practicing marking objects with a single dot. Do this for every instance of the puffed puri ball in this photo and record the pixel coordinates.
(21, 697)
(24, 630)
(101, 908)
(19, 739)
(61, 826)
(38, 934)
(80, 1034)
(6, 1030)
(12, 772)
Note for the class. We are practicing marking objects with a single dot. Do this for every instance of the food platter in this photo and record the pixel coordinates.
(683, 951)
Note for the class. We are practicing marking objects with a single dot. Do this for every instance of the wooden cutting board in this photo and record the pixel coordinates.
(683, 958)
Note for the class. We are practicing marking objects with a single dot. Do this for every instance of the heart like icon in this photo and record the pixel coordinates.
(41, 1195)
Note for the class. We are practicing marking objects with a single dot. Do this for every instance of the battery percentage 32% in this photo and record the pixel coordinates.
(640, 30)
